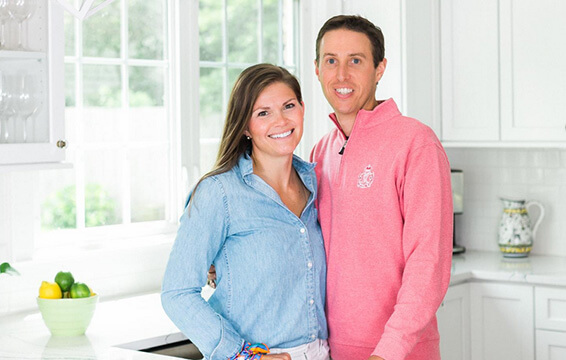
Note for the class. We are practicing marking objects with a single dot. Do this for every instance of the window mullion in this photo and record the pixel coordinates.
(225, 56)
(80, 183)
(280, 33)
(125, 151)
(260, 57)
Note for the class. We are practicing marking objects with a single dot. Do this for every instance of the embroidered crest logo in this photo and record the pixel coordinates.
(365, 179)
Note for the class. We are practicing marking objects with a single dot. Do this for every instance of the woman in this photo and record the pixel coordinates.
(253, 217)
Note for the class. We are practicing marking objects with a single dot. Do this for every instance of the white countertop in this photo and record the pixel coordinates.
(492, 266)
(115, 322)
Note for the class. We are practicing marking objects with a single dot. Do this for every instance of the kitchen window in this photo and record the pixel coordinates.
(118, 121)
(123, 90)
(235, 34)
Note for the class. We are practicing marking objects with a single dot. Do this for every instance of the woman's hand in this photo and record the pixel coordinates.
(282, 356)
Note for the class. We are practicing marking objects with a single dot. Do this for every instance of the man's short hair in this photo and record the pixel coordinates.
(359, 24)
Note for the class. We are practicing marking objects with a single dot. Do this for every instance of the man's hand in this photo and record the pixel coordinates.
(211, 277)
(375, 357)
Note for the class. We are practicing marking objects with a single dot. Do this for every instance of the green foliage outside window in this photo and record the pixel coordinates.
(59, 210)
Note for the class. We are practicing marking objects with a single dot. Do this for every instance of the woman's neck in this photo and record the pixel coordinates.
(277, 172)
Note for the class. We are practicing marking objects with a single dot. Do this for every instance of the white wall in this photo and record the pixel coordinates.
(532, 174)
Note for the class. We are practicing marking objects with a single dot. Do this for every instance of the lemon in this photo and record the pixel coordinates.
(49, 290)
(79, 290)
(65, 280)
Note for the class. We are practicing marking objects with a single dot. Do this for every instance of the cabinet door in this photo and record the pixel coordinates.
(470, 70)
(454, 323)
(502, 325)
(550, 308)
(31, 129)
(533, 70)
(551, 345)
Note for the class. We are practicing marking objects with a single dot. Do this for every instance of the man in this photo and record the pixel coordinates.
(385, 207)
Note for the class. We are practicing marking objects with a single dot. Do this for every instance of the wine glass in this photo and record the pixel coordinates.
(28, 101)
(4, 17)
(8, 107)
(3, 106)
(21, 10)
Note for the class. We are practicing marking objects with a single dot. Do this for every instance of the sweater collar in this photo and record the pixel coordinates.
(384, 111)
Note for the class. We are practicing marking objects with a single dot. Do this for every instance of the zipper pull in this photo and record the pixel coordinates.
(343, 147)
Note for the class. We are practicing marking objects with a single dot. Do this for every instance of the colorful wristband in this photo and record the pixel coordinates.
(251, 352)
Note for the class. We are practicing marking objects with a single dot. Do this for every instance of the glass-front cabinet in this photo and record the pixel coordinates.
(31, 82)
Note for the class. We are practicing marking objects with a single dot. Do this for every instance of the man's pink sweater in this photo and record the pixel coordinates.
(385, 207)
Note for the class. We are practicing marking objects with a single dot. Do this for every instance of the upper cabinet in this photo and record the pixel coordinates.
(470, 70)
(533, 71)
(31, 83)
(499, 77)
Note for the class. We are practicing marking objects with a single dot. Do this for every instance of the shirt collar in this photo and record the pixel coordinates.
(303, 168)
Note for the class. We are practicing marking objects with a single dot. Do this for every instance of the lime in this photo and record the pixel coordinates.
(79, 290)
(49, 290)
(65, 280)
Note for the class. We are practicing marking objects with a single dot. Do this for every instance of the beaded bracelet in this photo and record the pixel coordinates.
(251, 352)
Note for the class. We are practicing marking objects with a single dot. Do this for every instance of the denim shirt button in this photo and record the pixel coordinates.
(309, 264)
(311, 302)
(302, 230)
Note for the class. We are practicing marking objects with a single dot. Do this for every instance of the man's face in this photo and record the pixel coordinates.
(346, 72)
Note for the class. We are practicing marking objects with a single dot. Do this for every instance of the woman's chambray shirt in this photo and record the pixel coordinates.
(270, 266)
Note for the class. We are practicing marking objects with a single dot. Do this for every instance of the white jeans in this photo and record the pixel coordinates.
(316, 350)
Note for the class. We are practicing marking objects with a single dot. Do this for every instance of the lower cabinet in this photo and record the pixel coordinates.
(551, 345)
(502, 321)
(550, 322)
(495, 321)
(454, 323)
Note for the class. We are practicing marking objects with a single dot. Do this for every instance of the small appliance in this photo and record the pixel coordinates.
(457, 179)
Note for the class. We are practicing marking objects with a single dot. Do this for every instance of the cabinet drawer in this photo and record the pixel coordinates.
(550, 308)
(551, 345)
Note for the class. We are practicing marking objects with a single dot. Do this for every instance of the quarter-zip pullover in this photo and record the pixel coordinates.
(385, 208)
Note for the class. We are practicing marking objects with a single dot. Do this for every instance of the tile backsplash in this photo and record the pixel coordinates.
(531, 174)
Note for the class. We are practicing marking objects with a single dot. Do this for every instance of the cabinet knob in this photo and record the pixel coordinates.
(61, 144)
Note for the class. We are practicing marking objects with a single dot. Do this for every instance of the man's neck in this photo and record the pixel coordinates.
(346, 124)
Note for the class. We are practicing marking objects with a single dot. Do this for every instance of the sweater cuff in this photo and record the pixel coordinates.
(390, 349)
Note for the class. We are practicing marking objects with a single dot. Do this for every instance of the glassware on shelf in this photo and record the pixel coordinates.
(27, 104)
(6, 109)
(20, 11)
(3, 107)
(4, 17)
(9, 84)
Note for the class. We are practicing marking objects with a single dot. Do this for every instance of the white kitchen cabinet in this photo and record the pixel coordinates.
(533, 71)
(550, 322)
(502, 71)
(551, 345)
(502, 321)
(42, 69)
(454, 323)
(470, 70)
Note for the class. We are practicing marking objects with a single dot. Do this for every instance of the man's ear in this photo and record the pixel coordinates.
(316, 67)
(380, 69)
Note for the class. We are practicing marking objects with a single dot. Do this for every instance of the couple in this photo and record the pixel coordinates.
(381, 193)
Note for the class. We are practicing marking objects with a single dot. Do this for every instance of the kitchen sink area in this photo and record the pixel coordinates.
(175, 345)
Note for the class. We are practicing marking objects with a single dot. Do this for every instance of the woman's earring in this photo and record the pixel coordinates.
(247, 137)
